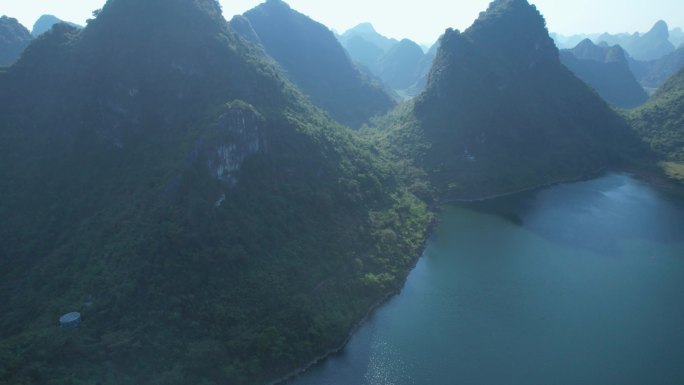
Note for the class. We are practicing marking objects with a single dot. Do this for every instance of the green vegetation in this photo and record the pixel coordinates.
(161, 177)
(501, 113)
(661, 121)
(314, 60)
(673, 170)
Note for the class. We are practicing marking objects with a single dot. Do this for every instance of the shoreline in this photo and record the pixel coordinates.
(371, 310)
(586, 177)
(652, 177)
(298, 372)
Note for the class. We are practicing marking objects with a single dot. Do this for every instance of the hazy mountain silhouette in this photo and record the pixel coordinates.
(159, 175)
(14, 38)
(571, 41)
(652, 74)
(400, 67)
(652, 45)
(369, 34)
(502, 113)
(315, 61)
(607, 70)
(364, 52)
(45, 22)
(677, 37)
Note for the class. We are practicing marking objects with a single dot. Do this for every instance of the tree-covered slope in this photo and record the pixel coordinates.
(607, 70)
(14, 38)
(158, 175)
(661, 121)
(315, 61)
(501, 112)
(655, 73)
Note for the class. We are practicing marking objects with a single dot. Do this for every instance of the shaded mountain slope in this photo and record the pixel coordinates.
(14, 38)
(652, 74)
(161, 177)
(501, 113)
(399, 67)
(314, 60)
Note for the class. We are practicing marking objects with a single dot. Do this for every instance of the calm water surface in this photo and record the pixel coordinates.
(578, 284)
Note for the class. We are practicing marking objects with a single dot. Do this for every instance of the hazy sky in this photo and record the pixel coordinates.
(422, 21)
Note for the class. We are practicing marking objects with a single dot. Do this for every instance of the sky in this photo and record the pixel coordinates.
(422, 21)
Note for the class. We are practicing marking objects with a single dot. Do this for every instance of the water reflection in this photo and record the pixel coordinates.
(576, 284)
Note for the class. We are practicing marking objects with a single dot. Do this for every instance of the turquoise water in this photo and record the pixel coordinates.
(577, 284)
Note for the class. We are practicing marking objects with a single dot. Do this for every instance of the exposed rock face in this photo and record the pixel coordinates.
(242, 26)
(169, 165)
(232, 138)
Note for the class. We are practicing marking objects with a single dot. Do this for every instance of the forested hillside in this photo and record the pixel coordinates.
(160, 176)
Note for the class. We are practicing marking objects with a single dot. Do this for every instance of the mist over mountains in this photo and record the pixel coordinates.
(312, 58)
(606, 69)
(401, 65)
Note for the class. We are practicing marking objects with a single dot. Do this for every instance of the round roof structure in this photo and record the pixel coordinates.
(70, 318)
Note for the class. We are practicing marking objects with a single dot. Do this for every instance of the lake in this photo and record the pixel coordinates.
(581, 283)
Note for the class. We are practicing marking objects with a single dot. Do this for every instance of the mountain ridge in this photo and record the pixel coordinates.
(14, 38)
(607, 69)
(313, 59)
(506, 62)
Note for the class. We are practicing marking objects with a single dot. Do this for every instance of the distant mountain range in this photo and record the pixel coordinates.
(45, 22)
(651, 45)
(313, 59)
(402, 65)
(651, 57)
(652, 74)
(14, 38)
(607, 70)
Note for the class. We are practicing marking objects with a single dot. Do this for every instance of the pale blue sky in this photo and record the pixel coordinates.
(422, 21)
